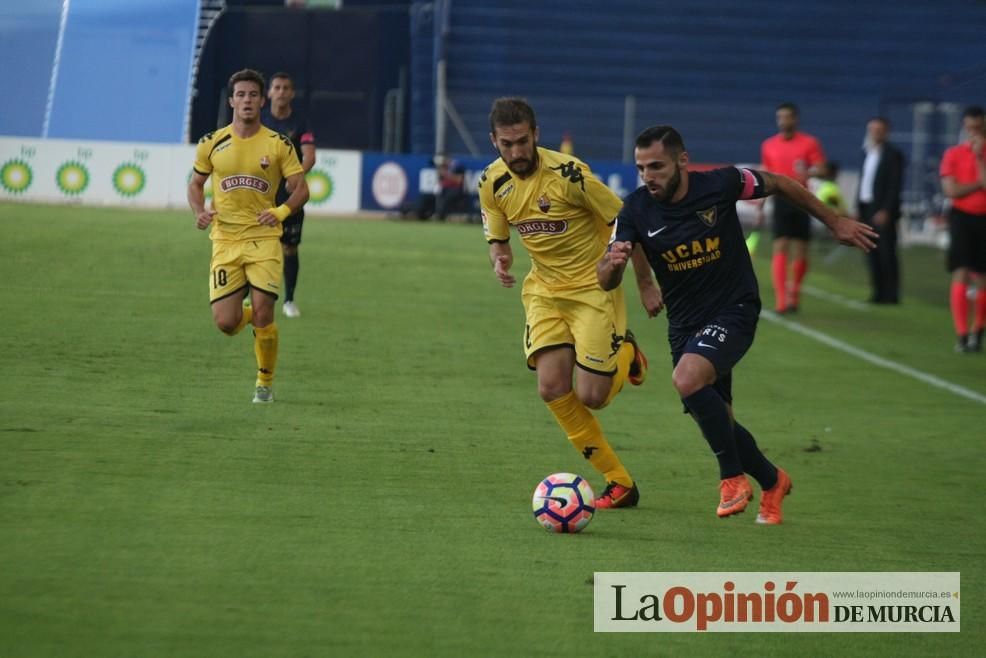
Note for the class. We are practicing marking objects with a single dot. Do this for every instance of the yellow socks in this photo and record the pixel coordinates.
(245, 319)
(624, 359)
(265, 347)
(586, 434)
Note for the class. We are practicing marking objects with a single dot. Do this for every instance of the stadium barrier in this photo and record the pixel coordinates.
(341, 182)
(390, 181)
(144, 175)
(156, 176)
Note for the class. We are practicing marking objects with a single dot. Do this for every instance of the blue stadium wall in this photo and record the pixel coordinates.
(716, 69)
(122, 74)
(28, 33)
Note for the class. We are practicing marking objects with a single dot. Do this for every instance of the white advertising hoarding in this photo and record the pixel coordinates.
(334, 182)
(148, 175)
(106, 173)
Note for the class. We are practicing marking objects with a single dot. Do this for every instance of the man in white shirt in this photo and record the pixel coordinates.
(879, 206)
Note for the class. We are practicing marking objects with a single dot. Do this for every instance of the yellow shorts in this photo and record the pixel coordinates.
(234, 264)
(590, 320)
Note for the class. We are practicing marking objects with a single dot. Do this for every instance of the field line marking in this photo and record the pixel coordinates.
(869, 357)
(818, 293)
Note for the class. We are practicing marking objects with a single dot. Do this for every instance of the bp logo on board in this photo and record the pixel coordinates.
(320, 186)
(16, 176)
(129, 179)
(72, 178)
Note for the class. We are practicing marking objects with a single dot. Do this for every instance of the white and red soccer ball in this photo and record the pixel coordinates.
(563, 502)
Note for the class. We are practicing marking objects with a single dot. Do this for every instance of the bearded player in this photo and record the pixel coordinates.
(686, 223)
(564, 216)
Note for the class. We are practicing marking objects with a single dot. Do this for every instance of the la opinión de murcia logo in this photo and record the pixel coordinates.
(681, 605)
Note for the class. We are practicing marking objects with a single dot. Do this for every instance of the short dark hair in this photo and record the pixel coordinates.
(666, 135)
(974, 112)
(882, 119)
(510, 111)
(284, 76)
(246, 75)
(791, 107)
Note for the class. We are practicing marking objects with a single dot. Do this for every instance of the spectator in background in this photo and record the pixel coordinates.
(963, 180)
(878, 199)
(452, 197)
(797, 155)
(448, 194)
(828, 191)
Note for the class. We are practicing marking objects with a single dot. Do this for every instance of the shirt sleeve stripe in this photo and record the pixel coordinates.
(749, 184)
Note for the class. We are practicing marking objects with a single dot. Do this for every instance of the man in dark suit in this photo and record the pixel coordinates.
(878, 198)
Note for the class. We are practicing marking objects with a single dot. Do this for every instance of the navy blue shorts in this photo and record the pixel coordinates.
(292, 229)
(723, 341)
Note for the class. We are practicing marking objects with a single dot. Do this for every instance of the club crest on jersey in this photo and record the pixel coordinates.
(264, 162)
(549, 227)
(708, 216)
(244, 182)
(544, 203)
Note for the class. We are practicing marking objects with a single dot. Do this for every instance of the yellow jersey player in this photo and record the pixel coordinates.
(247, 162)
(564, 216)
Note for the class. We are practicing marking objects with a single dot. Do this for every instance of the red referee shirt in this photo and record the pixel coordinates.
(959, 162)
(791, 157)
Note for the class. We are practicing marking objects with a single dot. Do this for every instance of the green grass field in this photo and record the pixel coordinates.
(382, 506)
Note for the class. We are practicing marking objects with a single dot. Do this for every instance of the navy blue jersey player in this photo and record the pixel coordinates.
(686, 223)
(282, 117)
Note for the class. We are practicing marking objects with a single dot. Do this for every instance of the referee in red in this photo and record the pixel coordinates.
(798, 155)
(963, 180)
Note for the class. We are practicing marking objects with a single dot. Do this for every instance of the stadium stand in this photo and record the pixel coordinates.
(698, 65)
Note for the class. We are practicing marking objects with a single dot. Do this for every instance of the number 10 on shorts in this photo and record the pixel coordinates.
(218, 278)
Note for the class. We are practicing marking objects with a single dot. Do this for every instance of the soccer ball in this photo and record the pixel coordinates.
(563, 502)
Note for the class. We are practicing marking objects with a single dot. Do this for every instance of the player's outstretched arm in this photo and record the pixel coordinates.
(196, 200)
(845, 230)
(650, 294)
(610, 269)
(501, 258)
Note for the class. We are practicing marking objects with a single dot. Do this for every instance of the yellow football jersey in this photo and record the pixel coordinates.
(245, 176)
(562, 212)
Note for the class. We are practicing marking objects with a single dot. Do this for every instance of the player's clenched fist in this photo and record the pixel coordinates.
(619, 253)
(204, 218)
